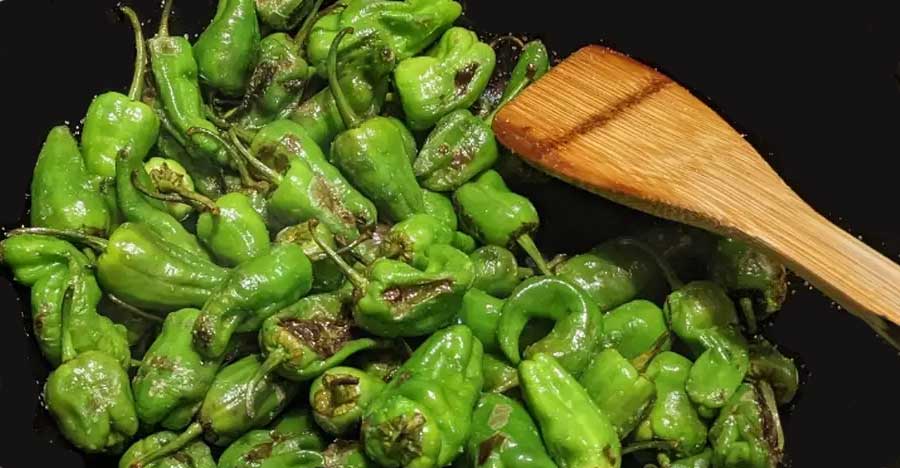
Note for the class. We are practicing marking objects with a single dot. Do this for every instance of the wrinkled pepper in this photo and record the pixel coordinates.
(235, 233)
(634, 328)
(169, 172)
(423, 417)
(496, 271)
(339, 397)
(346, 454)
(780, 372)
(618, 389)
(703, 460)
(193, 455)
(748, 432)
(408, 240)
(327, 277)
(282, 15)
(205, 174)
(292, 441)
(227, 50)
(504, 436)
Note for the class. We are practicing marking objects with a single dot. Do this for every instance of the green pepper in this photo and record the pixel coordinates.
(173, 378)
(441, 207)
(63, 194)
(194, 455)
(64, 298)
(459, 148)
(176, 75)
(205, 174)
(90, 399)
(494, 215)
(339, 397)
(383, 362)
(291, 442)
(703, 316)
(423, 417)
(407, 27)
(755, 278)
(618, 389)
(686, 249)
(702, 460)
(116, 121)
(748, 432)
(252, 293)
(223, 417)
(140, 327)
(448, 77)
(227, 50)
(779, 371)
(346, 454)
(481, 312)
(282, 15)
(576, 333)
(499, 375)
(308, 186)
(634, 328)
(396, 299)
(464, 242)
(170, 171)
(327, 277)
(496, 271)
(504, 435)
(673, 418)
(412, 237)
(575, 431)
(236, 233)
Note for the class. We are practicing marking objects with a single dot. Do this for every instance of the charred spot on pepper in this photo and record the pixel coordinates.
(464, 77)
(324, 193)
(259, 453)
(325, 337)
(489, 446)
(402, 437)
(338, 395)
(409, 295)
(270, 155)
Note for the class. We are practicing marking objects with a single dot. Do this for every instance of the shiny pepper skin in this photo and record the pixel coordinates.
(492, 213)
(327, 276)
(339, 397)
(634, 328)
(237, 233)
(227, 50)
(206, 175)
(441, 207)
(574, 336)
(779, 371)
(90, 399)
(576, 433)
(252, 293)
(747, 433)
(346, 454)
(459, 148)
(497, 271)
(504, 436)
(499, 375)
(481, 312)
(450, 76)
(63, 194)
(423, 417)
(410, 239)
(173, 378)
(175, 173)
(753, 277)
(282, 15)
(618, 389)
(194, 455)
(292, 441)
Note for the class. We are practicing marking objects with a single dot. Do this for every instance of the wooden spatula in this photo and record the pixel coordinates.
(616, 127)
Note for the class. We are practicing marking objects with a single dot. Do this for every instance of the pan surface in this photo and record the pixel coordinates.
(815, 93)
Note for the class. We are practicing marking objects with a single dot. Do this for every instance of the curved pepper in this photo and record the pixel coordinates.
(578, 328)
(339, 397)
(634, 328)
(236, 233)
(504, 436)
(194, 455)
(292, 442)
(618, 389)
(423, 417)
(441, 207)
(747, 432)
(448, 77)
(560, 404)
(481, 312)
(252, 293)
(227, 50)
(173, 378)
(346, 454)
(673, 418)
(406, 27)
(63, 194)
(496, 271)
(90, 399)
(779, 371)
(756, 279)
(494, 215)
(169, 172)
(499, 375)
(703, 316)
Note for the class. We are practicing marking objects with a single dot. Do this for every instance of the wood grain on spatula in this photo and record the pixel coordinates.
(611, 125)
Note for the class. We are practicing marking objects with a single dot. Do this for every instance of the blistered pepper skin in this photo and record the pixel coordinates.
(227, 50)
(504, 436)
(194, 455)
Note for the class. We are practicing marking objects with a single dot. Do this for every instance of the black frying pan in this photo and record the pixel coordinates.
(816, 92)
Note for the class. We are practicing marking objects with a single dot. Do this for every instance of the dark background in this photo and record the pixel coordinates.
(814, 91)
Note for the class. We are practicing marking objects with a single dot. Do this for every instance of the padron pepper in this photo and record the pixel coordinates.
(375, 154)
(233, 230)
(193, 455)
(449, 77)
(495, 215)
(618, 389)
(173, 378)
(575, 335)
(394, 299)
(408, 240)
(499, 375)
(504, 435)
(634, 328)
(346, 454)
(497, 271)
(703, 316)
(702, 460)
(292, 441)
(748, 432)
(227, 50)
(441, 207)
(383, 362)
(205, 174)
(423, 417)
(64, 195)
(575, 431)
(90, 399)
(406, 27)
(481, 312)
(672, 418)
(339, 397)
(756, 279)
(327, 277)
(282, 15)
(165, 172)
(769, 364)
(253, 292)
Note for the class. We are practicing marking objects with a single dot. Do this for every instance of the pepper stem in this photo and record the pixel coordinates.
(351, 120)
(175, 193)
(337, 358)
(527, 243)
(641, 361)
(67, 348)
(668, 272)
(658, 445)
(306, 27)
(273, 360)
(270, 175)
(98, 244)
(239, 164)
(746, 304)
(358, 280)
(140, 57)
(133, 310)
(164, 19)
(189, 435)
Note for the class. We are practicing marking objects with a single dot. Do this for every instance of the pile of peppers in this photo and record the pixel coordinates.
(292, 244)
